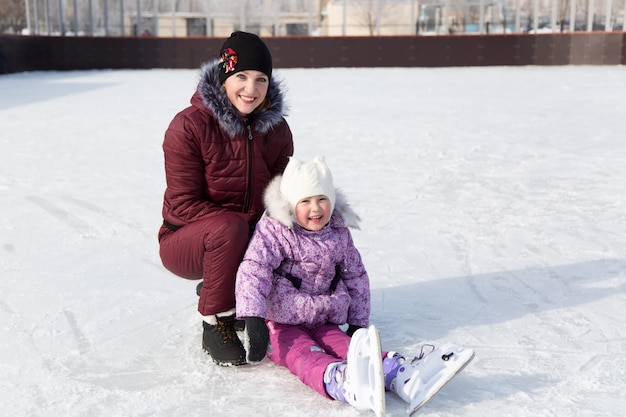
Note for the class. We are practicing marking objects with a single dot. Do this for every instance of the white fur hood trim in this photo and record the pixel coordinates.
(278, 208)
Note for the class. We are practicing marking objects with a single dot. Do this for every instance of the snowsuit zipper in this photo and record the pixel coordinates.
(246, 206)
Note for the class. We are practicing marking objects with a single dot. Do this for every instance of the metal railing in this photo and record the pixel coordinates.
(182, 18)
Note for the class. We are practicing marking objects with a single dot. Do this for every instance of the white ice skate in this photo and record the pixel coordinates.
(365, 383)
(419, 380)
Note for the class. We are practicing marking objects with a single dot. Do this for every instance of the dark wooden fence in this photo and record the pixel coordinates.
(42, 53)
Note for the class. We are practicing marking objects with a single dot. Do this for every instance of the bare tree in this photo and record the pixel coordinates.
(374, 14)
(12, 16)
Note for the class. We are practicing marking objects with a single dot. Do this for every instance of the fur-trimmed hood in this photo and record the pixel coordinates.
(278, 207)
(214, 98)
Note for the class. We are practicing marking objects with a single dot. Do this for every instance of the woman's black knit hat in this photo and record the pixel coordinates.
(244, 51)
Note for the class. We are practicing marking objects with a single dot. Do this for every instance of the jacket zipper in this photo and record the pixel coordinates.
(246, 206)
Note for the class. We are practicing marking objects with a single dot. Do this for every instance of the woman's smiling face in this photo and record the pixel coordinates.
(247, 90)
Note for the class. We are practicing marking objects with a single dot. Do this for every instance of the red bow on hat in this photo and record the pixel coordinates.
(228, 60)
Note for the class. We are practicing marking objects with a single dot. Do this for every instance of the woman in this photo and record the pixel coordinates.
(220, 154)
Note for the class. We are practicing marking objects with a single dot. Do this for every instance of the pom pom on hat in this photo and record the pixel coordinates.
(306, 179)
(244, 51)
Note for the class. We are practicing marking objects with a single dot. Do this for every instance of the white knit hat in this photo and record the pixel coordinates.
(306, 179)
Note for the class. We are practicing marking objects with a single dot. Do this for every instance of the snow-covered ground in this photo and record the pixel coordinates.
(494, 214)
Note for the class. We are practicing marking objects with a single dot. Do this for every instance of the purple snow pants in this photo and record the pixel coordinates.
(307, 352)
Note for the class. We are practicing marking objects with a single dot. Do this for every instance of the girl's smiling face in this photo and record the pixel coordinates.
(313, 213)
(247, 90)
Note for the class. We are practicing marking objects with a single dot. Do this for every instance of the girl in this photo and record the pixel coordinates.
(302, 277)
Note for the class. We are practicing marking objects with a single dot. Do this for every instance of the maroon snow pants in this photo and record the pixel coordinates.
(211, 249)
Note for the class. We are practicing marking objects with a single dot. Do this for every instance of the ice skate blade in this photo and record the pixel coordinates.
(365, 371)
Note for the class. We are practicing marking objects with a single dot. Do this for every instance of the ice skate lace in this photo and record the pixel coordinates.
(426, 349)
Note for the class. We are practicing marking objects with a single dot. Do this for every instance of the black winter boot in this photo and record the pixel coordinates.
(222, 343)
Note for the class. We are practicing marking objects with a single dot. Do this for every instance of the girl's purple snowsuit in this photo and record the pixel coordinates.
(305, 284)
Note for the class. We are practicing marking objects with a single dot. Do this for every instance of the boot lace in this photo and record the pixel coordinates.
(226, 329)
